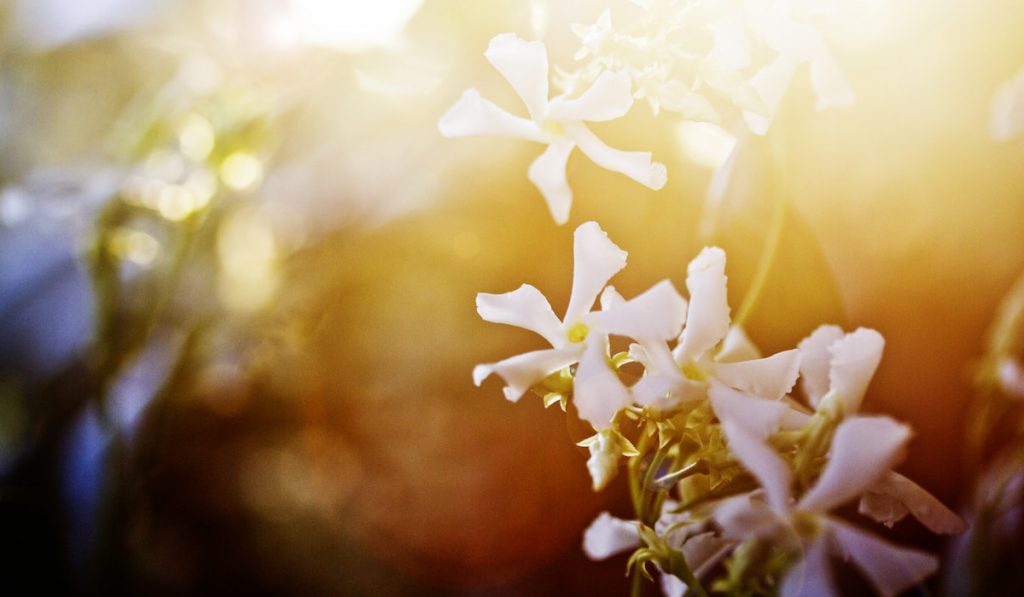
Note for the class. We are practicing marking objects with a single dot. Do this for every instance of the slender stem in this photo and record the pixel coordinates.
(764, 264)
(637, 587)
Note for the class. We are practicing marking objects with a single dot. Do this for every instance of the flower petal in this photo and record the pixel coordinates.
(473, 115)
(1007, 113)
(707, 320)
(771, 83)
(656, 359)
(854, 360)
(889, 568)
(771, 377)
(607, 536)
(610, 298)
(524, 64)
(762, 462)
(815, 359)
(595, 260)
(665, 392)
(524, 307)
(890, 499)
(634, 164)
(657, 314)
(830, 85)
(811, 576)
(610, 96)
(760, 416)
(737, 347)
(522, 371)
(598, 393)
(863, 450)
(547, 173)
(747, 516)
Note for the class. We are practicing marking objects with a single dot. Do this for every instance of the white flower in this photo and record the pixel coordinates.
(709, 353)
(836, 369)
(1007, 117)
(558, 123)
(795, 41)
(863, 450)
(608, 536)
(839, 366)
(581, 336)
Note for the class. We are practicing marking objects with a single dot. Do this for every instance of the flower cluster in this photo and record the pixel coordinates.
(697, 58)
(702, 58)
(726, 463)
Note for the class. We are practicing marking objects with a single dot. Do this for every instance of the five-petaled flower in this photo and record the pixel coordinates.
(711, 357)
(581, 336)
(863, 450)
(557, 122)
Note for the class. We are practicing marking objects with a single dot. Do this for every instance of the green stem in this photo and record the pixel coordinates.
(764, 264)
(679, 567)
(637, 586)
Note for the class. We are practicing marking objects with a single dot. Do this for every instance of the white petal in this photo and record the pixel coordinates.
(762, 462)
(882, 508)
(665, 392)
(524, 307)
(609, 97)
(603, 464)
(890, 569)
(522, 371)
(607, 536)
(743, 517)
(524, 64)
(634, 164)
(815, 359)
(671, 586)
(830, 85)
(863, 450)
(598, 393)
(1011, 377)
(656, 358)
(760, 416)
(707, 320)
(547, 173)
(1007, 116)
(771, 377)
(657, 314)
(771, 83)
(731, 50)
(704, 551)
(854, 360)
(595, 260)
(737, 347)
(610, 298)
(473, 115)
(890, 499)
(811, 576)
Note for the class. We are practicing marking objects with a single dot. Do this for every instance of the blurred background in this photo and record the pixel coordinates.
(238, 266)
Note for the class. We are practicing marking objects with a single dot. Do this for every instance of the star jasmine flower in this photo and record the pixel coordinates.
(558, 122)
(697, 363)
(581, 336)
(836, 369)
(863, 450)
(795, 41)
(608, 536)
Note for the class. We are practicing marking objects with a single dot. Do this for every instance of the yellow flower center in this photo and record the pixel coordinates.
(693, 372)
(553, 128)
(578, 333)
